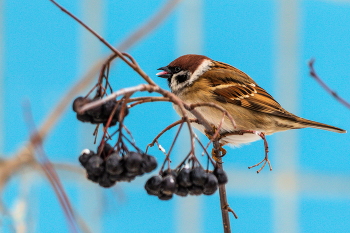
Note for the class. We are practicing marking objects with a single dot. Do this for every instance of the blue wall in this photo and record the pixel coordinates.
(43, 57)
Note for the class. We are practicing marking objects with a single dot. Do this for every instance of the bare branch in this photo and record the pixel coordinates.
(325, 86)
(142, 100)
(116, 51)
(168, 128)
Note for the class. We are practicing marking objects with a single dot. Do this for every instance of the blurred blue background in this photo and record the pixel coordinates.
(43, 53)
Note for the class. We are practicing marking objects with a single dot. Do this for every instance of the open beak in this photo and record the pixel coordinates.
(166, 73)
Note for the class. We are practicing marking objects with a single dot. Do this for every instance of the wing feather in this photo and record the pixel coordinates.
(238, 88)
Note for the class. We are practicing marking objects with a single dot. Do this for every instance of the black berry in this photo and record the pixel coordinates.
(95, 166)
(105, 180)
(198, 176)
(114, 164)
(221, 175)
(195, 190)
(183, 178)
(169, 172)
(211, 185)
(149, 163)
(153, 185)
(85, 156)
(93, 178)
(168, 185)
(181, 191)
(165, 197)
(133, 162)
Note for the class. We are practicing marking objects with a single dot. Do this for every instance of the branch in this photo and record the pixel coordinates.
(225, 209)
(132, 63)
(141, 100)
(49, 170)
(168, 128)
(325, 86)
(138, 69)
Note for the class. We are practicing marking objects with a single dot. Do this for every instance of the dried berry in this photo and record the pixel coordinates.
(211, 184)
(84, 118)
(165, 197)
(105, 181)
(133, 162)
(107, 150)
(195, 190)
(221, 175)
(114, 164)
(168, 185)
(183, 178)
(198, 176)
(79, 102)
(181, 191)
(93, 178)
(96, 112)
(149, 163)
(85, 156)
(153, 185)
(95, 166)
(169, 172)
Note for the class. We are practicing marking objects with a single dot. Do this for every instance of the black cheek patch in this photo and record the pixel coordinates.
(181, 78)
(169, 81)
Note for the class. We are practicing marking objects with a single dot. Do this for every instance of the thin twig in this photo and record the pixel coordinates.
(216, 135)
(142, 100)
(325, 86)
(168, 128)
(116, 51)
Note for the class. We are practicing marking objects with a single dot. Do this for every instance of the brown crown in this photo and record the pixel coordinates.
(188, 62)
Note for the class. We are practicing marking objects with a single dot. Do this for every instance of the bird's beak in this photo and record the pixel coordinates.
(166, 73)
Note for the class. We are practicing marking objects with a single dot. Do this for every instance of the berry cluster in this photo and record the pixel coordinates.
(111, 167)
(195, 181)
(99, 114)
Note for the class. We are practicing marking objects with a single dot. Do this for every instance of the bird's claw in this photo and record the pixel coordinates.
(266, 159)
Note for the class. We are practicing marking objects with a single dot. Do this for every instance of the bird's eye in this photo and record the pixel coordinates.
(177, 69)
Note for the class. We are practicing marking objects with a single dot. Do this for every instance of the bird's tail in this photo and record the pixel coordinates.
(317, 125)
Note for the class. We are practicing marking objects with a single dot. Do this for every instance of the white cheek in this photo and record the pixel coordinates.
(174, 85)
(202, 68)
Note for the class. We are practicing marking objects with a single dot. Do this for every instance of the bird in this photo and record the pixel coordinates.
(197, 79)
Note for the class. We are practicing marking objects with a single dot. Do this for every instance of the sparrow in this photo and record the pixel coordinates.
(199, 79)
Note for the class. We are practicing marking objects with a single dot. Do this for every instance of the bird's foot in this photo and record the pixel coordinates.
(212, 133)
(217, 157)
(266, 159)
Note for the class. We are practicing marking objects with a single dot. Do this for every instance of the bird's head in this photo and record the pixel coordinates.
(184, 71)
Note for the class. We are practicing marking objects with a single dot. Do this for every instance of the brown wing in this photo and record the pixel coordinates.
(231, 87)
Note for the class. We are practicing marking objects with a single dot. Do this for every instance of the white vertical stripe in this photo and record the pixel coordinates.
(90, 52)
(190, 27)
(189, 40)
(287, 84)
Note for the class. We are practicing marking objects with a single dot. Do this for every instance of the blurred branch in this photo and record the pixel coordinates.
(158, 18)
(49, 170)
(325, 86)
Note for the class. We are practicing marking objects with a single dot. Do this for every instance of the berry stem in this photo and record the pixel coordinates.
(225, 209)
